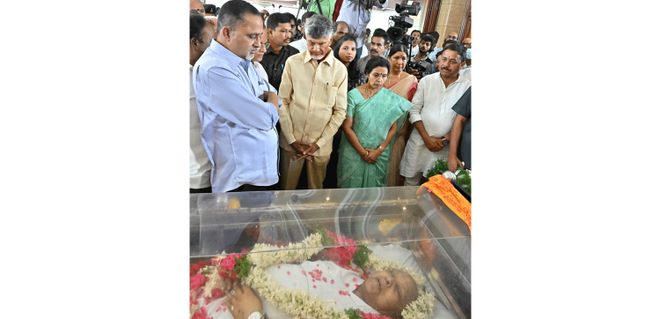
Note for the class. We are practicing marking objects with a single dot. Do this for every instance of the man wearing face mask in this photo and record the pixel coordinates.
(238, 118)
(467, 44)
(313, 92)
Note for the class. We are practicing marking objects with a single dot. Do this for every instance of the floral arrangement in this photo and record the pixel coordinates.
(461, 177)
(207, 277)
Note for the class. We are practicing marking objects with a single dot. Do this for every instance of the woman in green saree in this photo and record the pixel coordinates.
(373, 117)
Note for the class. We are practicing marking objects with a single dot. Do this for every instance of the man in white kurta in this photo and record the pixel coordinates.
(432, 105)
(322, 279)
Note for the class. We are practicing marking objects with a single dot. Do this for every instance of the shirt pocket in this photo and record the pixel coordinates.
(331, 92)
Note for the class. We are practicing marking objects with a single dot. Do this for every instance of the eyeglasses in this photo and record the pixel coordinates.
(197, 11)
(443, 59)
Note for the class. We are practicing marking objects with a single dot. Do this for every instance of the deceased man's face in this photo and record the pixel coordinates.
(388, 291)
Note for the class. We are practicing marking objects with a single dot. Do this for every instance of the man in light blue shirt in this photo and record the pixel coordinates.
(238, 118)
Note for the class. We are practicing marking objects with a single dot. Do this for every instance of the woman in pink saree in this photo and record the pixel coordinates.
(404, 85)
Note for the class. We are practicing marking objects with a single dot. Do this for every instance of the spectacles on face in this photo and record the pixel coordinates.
(197, 11)
(443, 59)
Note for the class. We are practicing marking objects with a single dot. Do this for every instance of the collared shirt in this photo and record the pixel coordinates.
(275, 63)
(200, 166)
(433, 104)
(357, 13)
(314, 101)
(300, 44)
(238, 128)
(415, 50)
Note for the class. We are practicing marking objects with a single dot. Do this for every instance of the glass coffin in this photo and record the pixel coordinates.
(309, 246)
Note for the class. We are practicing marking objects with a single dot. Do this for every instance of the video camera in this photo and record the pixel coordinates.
(402, 22)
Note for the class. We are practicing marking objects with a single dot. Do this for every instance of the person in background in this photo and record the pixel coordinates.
(404, 85)
(357, 14)
(300, 44)
(459, 154)
(264, 14)
(238, 118)
(432, 116)
(201, 33)
(416, 39)
(211, 15)
(467, 44)
(452, 36)
(210, 9)
(313, 92)
(422, 64)
(376, 48)
(373, 117)
(259, 57)
(365, 47)
(279, 32)
(294, 24)
(345, 51)
(323, 7)
(435, 49)
(197, 7)
(341, 29)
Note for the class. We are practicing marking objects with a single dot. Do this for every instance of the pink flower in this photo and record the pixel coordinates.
(217, 293)
(197, 281)
(200, 314)
(198, 266)
(228, 263)
(366, 315)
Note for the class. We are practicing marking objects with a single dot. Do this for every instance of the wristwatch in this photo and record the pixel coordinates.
(257, 315)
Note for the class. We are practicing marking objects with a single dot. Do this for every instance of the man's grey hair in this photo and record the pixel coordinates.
(318, 27)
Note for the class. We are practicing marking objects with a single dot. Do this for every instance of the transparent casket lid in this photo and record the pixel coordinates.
(405, 225)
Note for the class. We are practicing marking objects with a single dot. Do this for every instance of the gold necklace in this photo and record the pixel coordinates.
(368, 92)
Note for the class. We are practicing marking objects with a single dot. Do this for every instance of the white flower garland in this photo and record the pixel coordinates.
(264, 255)
(299, 304)
(294, 302)
(420, 308)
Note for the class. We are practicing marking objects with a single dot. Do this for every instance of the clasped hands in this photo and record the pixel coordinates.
(305, 151)
(371, 155)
